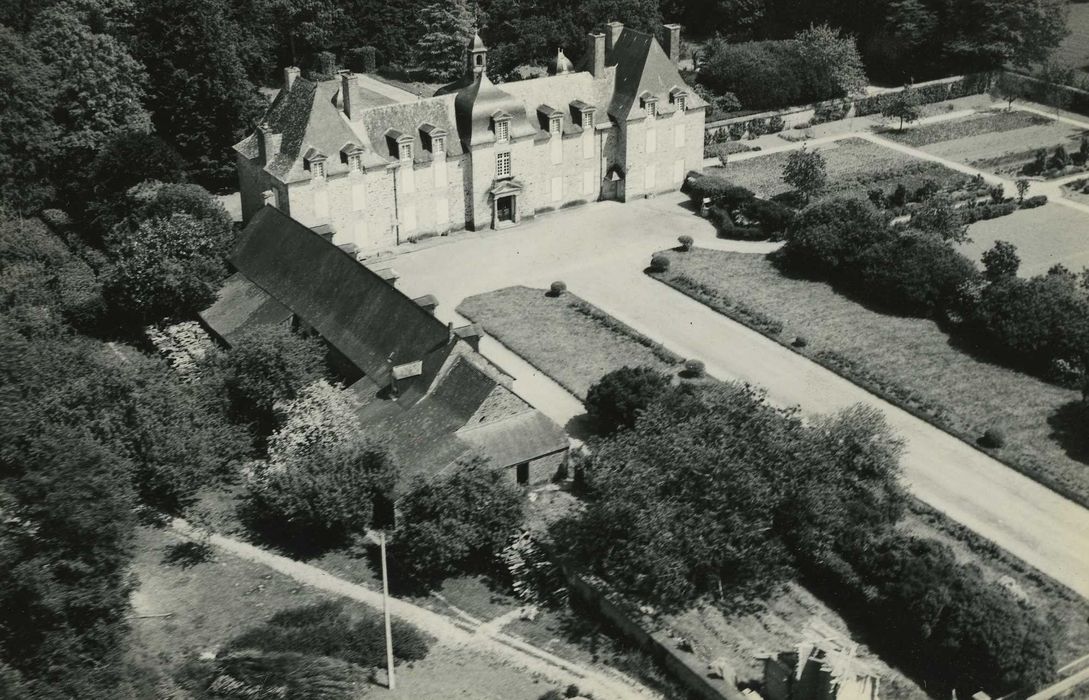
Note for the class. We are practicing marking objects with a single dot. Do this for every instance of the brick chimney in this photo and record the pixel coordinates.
(268, 143)
(290, 73)
(612, 33)
(350, 96)
(673, 42)
(595, 50)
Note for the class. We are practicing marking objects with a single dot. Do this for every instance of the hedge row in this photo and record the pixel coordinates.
(975, 84)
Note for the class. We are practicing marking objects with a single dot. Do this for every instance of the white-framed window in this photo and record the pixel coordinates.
(652, 109)
(406, 151)
(681, 101)
(678, 136)
(555, 126)
(587, 120)
(502, 164)
(438, 144)
(355, 162)
(502, 130)
(652, 139)
(317, 168)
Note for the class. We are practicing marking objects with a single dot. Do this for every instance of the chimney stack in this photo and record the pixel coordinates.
(612, 33)
(596, 52)
(268, 143)
(673, 42)
(290, 73)
(350, 97)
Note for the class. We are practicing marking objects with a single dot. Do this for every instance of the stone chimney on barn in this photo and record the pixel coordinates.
(595, 51)
(673, 42)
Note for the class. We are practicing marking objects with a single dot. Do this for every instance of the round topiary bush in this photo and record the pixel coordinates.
(686, 242)
(993, 438)
(659, 263)
(557, 289)
(800, 342)
(693, 368)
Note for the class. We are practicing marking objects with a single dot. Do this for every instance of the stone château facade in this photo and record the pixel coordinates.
(342, 159)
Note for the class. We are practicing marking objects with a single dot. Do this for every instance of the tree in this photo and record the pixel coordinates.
(615, 401)
(939, 215)
(266, 365)
(198, 93)
(806, 172)
(305, 26)
(125, 161)
(323, 477)
(458, 521)
(825, 238)
(99, 87)
(440, 49)
(167, 257)
(993, 33)
(833, 59)
(1022, 189)
(915, 273)
(164, 268)
(904, 106)
(1001, 261)
(1006, 87)
(28, 132)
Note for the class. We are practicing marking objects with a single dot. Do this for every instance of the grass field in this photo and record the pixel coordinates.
(1074, 49)
(853, 165)
(1044, 236)
(910, 361)
(566, 338)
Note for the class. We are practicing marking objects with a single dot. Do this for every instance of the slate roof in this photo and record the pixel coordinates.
(352, 308)
(407, 118)
(642, 66)
(240, 306)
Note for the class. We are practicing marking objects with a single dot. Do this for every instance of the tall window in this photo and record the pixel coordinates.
(652, 109)
(681, 99)
(438, 144)
(355, 162)
(554, 126)
(317, 168)
(587, 120)
(406, 151)
(502, 130)
(502, 164)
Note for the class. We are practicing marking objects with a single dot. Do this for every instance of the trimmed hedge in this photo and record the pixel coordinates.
(975, 84)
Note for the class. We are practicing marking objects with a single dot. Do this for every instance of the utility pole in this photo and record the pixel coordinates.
(385, 612)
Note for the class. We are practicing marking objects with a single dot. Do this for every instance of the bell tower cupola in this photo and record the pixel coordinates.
(477, 55)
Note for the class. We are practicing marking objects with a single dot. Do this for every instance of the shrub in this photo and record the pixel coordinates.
(899, 195)
(989, 211)
(830, 234)
(557, 288)
(686, 242)
(445, 527)
(693, 368)
(1034, 201)
(776, 124)
(572, 691)
(772, 216)
(615, 400)
(800, 342)
(914, 273)
(659, 263)
(993, 438)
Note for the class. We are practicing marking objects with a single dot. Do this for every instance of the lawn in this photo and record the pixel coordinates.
(183, 611)
(909, 361)
(975, 124)
(566, 338)
(1044, 236)
(1074, 49)
(1001, 150)
(853, 165)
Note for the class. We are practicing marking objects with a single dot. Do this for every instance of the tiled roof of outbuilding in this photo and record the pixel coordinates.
(240, 306)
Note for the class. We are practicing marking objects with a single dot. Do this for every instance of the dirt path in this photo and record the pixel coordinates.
(484, 638)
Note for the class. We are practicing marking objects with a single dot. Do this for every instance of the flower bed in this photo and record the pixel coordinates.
(988, 123)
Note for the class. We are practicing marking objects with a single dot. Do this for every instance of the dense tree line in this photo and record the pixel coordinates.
(708, 493)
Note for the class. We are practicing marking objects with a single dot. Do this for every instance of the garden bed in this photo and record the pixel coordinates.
(907, 361)
(853, 165)
(953, 129)
(566, 338)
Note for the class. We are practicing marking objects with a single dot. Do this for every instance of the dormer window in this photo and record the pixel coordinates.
(355, 162)
(649, 103)
(502, 130)
(588, 119)
(405, 151)
(555, 126)
(652, 109)
(314, 161)
(438, 144)
(679, 98)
